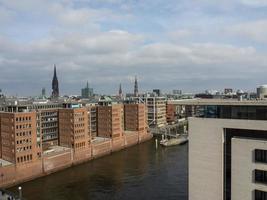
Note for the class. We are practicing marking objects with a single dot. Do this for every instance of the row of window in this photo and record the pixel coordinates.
(24, 158)
(24, 133)
(79, 114)
(20, 149)
(260, 195)
(79, 137)
(23, 126)
(80, 145)
(23, 119)
(46, 114)
(24, 141)
(260, 155)
(78, 125)
(79, 131)
(79, 119)
(260, 176)
(47, 125)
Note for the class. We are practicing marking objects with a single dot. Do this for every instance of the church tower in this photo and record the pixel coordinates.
(135, 87)
(55, 90)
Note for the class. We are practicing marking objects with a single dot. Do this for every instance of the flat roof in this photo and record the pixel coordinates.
(100, 139)
(226, 102)
(56, 149)
(4, 163)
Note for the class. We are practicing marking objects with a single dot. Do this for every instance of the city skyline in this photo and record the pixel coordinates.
(190, 45)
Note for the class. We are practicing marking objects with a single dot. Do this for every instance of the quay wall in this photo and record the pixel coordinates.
(49, 163)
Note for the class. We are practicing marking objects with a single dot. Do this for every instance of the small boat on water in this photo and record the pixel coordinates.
(174, 141)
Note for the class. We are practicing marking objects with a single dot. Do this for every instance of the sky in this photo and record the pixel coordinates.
(192, 45)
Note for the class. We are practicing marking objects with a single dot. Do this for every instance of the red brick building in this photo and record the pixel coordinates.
(74, 128)
(18, 137)
(110, 121)
(135, 118)
(170, 113)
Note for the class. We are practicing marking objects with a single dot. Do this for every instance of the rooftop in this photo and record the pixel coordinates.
(226, 102)
(4, 163)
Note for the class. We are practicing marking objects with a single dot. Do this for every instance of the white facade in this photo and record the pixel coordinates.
(206, 156)
(243, 166)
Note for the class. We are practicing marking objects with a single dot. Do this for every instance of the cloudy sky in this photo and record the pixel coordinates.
(191, 45)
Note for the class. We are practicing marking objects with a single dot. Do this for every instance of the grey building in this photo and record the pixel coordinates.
(228, 150)
(87, 92)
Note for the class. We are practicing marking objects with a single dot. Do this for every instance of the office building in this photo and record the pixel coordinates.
(43, 93)
(177, 92)
(227, 150)
(92, 118)
(156, 111)
(157, 92)
(47, 126)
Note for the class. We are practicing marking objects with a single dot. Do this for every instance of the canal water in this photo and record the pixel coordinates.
(139, 172)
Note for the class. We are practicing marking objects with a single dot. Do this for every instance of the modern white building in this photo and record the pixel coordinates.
(228, 152)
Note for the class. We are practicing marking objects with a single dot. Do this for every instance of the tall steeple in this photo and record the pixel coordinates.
(120, 91)
(55, 90)
(135, 87)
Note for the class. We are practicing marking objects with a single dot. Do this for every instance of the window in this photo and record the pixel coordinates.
(260, 195)
(260, 176)
(260, 155)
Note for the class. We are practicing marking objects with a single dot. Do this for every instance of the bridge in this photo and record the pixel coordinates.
(171, 130)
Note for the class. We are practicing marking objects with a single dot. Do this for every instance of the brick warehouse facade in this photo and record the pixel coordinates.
(22, 156)
(74, 131)
(18, 137)
(109, 119)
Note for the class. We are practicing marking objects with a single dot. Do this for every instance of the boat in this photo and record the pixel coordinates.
(174, 141)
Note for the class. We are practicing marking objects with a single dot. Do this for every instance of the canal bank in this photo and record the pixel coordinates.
(139, 172)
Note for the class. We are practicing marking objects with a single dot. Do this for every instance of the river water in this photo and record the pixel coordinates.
(139, 172)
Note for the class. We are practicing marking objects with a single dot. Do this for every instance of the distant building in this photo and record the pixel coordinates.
(262, 92)
(171, 116)
(43, 92)
(157, 92)
(177, 92)
(228, 91)
(156, 110)
(55, 90)
(87, 92)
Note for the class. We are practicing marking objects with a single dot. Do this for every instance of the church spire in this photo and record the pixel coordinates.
(55, 90)
(135, 87)
(120, 91)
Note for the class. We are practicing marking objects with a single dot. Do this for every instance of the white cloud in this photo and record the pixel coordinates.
(253, 30)
(254, 3)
